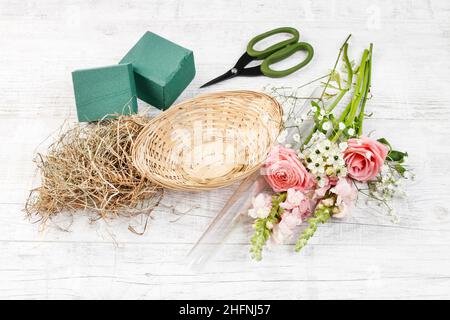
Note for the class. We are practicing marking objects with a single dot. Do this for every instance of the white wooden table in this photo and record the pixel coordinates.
(364, 256)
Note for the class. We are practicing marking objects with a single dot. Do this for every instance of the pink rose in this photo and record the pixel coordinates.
(283, 170)
(364, 158)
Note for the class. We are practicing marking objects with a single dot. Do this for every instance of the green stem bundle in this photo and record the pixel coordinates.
(358, 101)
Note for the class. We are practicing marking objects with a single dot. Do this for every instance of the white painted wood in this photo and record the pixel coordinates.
(364, 256)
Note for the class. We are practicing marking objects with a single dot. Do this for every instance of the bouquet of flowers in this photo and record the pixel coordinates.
(319, 176)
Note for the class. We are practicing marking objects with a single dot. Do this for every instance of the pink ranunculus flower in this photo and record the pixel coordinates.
(262, 205)
(283, 170)
(346, 196)
(364, 158)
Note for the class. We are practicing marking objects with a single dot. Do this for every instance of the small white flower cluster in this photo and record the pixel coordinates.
(321, 115)
(290, 137)
(385, 188)
(387, 185)
(324, 158)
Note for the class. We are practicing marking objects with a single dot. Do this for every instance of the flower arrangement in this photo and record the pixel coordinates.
(319, 176)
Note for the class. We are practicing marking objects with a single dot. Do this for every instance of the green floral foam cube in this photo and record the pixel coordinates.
(103, 92)
(162, 69)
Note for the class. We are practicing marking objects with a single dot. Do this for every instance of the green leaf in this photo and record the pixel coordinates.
(336, 78)
(396, 156)
(400, 169)
(315, 104)
(385, 142)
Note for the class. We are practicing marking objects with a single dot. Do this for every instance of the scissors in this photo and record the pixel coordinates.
(276, 52)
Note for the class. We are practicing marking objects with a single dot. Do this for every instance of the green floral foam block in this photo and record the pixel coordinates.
(101, 92)
(162, 69)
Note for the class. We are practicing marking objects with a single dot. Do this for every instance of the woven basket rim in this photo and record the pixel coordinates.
(158, 121)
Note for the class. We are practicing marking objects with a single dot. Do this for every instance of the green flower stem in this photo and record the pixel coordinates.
(344, 52)
(262, 231)
(349, 67)
(308, 138)
(367, 90)
(317, 126)
(337, 100)
(345, 112)
(359, 98)
(349, 79)
(321, 215)
(341, 50)
(357, 95)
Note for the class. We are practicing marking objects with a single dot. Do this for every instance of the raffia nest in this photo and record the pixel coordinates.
(89, 167)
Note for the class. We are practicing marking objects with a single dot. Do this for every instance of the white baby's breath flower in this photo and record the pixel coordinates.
(296, 137)
(326, 126)
(298, 121)
(288, 145)
(282, 136)
(341, 126)
(351, 132)
(408, 175)
(314, 109)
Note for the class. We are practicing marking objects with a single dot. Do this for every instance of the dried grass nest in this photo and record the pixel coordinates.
(89, 167)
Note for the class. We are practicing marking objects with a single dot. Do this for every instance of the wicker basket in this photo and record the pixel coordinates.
(210, 141)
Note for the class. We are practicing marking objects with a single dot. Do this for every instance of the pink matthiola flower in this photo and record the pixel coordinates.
(346, 196)
(296, 207)
(262, 205)
(283, 170)
(297, 202)
(327, 184)
(284, 230)
(364, 158)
